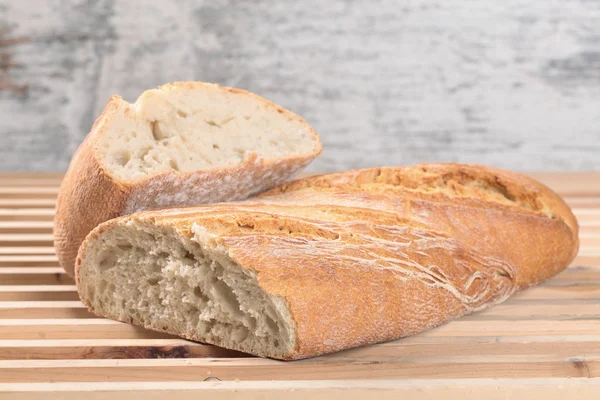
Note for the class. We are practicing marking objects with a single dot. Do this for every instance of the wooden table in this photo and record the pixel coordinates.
(542, 343)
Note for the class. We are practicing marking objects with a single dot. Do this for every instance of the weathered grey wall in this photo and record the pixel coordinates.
(511, 83)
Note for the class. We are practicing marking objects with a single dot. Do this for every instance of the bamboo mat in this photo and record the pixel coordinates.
(543, 342)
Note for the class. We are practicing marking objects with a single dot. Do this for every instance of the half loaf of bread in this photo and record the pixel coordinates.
(185, 143)
(331, 262)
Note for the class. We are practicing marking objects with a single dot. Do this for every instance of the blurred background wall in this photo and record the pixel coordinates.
(512, 83)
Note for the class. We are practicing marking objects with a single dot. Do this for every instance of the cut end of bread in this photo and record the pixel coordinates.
(191, 126)
(153, 276)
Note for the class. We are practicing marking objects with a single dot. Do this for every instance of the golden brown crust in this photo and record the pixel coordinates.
(90, 194)
(373, 255)
(87, 196)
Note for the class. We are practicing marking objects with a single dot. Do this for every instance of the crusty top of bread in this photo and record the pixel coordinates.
(444, 182)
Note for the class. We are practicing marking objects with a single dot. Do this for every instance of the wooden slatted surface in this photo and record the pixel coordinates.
(542, 342)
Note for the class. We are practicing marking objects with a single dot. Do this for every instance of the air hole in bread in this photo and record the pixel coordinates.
(174, 165)
(182, 113)
(107, 261)
(225, 297)
(199, 293)
(212, 123)
(240, 334)
(122, 158)
(153, 281)
(272, 325)
(227, 120)
(189, 258)
(124, 246)
(143, 152)
(158, 133)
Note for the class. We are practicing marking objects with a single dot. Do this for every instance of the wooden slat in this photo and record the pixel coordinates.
(576, 275)
(43, 309)
(38, 293)
(34, 183)
(260, 369)
(87, 328)
(26, 226)
(571, 184)
(27, 192)
(26, 250)
(512, 311)
(26, 214)
(559, 293)
(27, 261)
(20, 203)
(25, 176)
(358, 389)
(583, 202)
(34, 276)
(586, 261)
(26, 239)
(110, 349)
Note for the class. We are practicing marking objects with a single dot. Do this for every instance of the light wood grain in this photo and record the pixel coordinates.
(27, 203)
(490, 389)
(88, 328)
(26, 239)
(25, 226)
(28, 261)
(26, 214)
(27, 192)
(38, 293)
(439, 367)
(542, 335)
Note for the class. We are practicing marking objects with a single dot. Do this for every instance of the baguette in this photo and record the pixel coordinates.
(185, 143)
(331, 262)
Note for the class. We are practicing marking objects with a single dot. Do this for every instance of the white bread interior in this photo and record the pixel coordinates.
(195, 127)
(150, 275)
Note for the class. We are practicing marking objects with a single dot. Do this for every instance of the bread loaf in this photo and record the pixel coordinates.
(331, 262)
(181, 144)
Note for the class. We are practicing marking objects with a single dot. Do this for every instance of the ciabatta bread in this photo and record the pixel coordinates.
(182, 144)
(331, 262)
